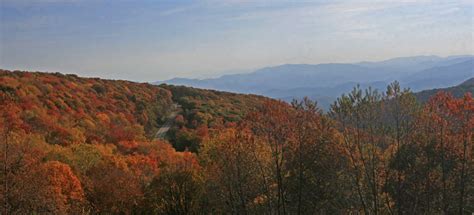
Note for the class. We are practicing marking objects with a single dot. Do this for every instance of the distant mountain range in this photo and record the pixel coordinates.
(324, 82)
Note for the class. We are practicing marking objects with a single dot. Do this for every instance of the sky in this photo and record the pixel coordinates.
(156, 40)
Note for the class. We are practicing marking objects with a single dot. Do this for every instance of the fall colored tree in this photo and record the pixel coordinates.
(273, 123)
(316, 183)
(448, 126)
(236, 168)
(359, 117)
(177, 189)
(400, 113)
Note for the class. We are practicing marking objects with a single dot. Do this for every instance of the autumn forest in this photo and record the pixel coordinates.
(72, 145)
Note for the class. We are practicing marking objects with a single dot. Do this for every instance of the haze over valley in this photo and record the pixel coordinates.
(325, 82)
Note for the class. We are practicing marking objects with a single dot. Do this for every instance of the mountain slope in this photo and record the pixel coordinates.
(457, 91)
(72, 145)
(442, 76)
(208, 107)
(67, 109)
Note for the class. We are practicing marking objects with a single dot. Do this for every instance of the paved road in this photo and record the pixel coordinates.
(161, 133)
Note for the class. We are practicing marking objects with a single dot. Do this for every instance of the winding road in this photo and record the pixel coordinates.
(161, 133)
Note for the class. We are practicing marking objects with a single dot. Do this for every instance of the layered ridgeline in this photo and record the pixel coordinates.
(74, 145)
(325, 82)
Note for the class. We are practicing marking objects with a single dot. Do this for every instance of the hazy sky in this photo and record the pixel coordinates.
(156, 40)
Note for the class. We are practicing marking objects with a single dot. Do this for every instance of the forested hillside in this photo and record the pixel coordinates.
(79, 110)
(206, 110)
(73, 145)
(457, 91)
(92, 140)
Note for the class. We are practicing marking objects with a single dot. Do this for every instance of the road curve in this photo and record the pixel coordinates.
(161, 133)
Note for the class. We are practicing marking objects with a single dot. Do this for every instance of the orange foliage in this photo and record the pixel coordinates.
(62, 189)
(56, 103)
